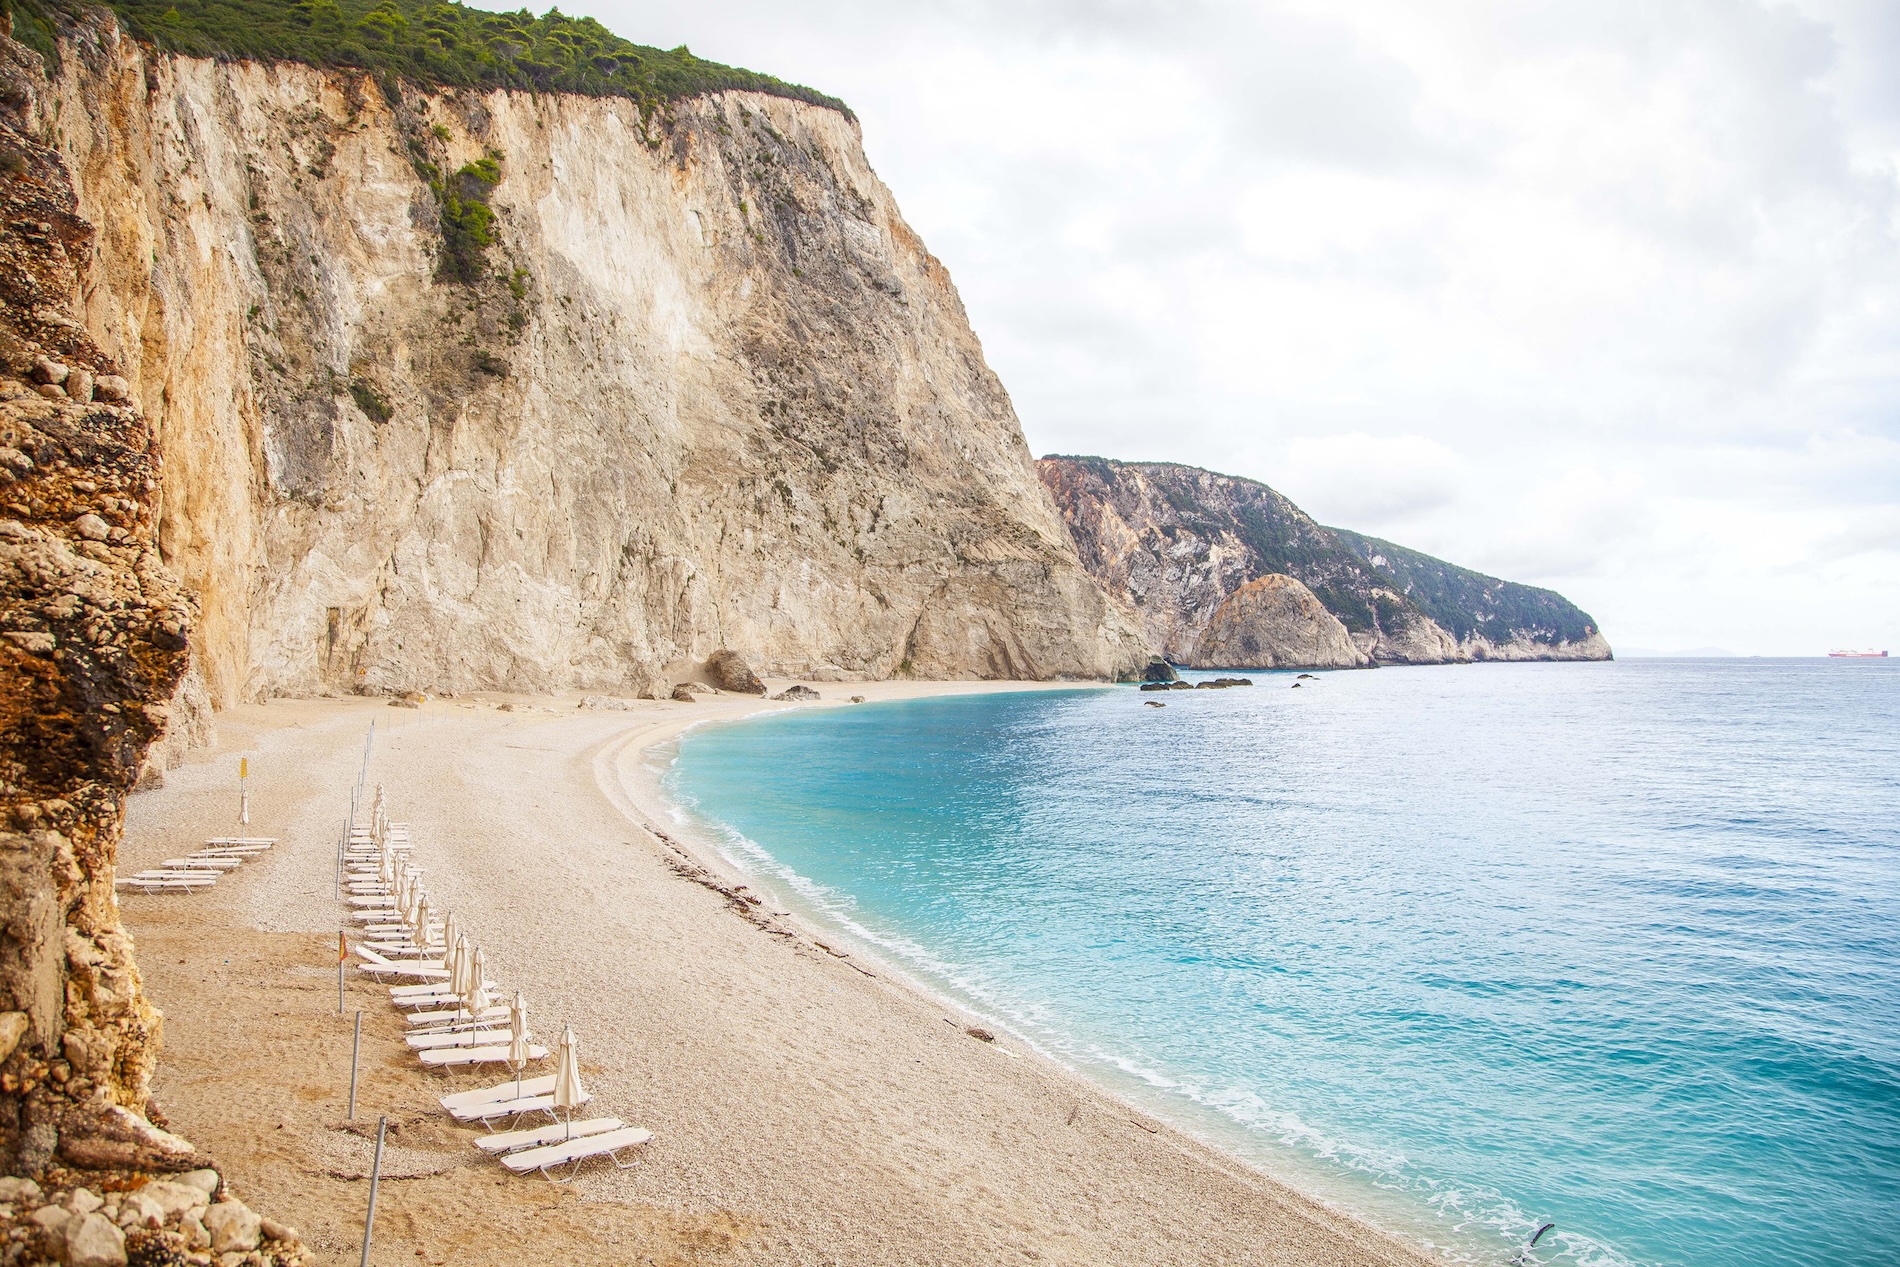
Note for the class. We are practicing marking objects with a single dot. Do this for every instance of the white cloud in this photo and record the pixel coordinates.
(1597, 293)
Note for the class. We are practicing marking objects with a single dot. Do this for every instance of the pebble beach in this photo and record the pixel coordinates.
(807, 1106)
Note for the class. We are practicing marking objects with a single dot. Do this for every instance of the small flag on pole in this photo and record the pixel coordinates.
(342, 950)
(244, 767)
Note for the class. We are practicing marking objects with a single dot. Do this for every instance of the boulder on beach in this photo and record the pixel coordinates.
(728, 671)
(796, 691)
(1159, 670)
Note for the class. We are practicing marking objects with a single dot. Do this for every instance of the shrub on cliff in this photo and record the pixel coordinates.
(435, 43)
(468, 223)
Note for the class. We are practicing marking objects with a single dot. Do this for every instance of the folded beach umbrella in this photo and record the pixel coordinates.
(422, 921)
(458, 966)
(476, 974)
(448, 930)
(567, 1078)
(518, 1038)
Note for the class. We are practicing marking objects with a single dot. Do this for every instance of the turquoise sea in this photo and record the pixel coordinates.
(1463, 950)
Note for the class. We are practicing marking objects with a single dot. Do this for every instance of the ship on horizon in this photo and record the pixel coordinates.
(1858, 655)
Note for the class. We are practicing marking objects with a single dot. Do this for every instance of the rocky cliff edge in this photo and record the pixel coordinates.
(463, 389)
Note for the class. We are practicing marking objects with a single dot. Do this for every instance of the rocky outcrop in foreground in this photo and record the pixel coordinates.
(94, 634)
(1227, 573)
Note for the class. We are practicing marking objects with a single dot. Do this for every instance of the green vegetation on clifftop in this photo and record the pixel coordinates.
(1467, 602)
(449, 45)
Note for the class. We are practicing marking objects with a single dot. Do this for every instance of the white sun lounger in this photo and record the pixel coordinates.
(454, 1015)
(444, 1057)
(243, 842)
(457, 1038)
(373, 956)
(203, 864)
(406, 952)
(514, 1141)
(576, 1151)
(168, 873)
(428, 993)
(438, 996)
(494, 1110)
(163, 886)
(540, 1084)
(377, 966)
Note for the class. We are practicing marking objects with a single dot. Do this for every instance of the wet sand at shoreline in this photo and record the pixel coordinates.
(806, 1107)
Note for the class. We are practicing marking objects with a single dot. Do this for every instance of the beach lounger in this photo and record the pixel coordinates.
(540, 1084)
(168, 873)
(457, 1038)
(446, 1057)
(243, 842)
(423, 969)
(575, 1151)
(438, 996)
(514, 1110)
(454, 1015)
(428, 992)
(202, 864)
(515, 1141)
(163, 886)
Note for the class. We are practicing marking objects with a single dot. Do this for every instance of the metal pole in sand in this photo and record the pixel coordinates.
(375, 1177)
(356, 1050)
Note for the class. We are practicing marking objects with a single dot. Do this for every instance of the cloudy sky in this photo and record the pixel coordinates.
(1602, 295)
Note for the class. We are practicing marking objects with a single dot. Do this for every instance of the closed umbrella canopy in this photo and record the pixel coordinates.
(518, 1038)
(477, 995)
(422, 920)
(568, 1093)
(458, 966)
(449, 933)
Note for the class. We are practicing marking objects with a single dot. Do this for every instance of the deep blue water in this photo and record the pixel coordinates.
(1462, 949)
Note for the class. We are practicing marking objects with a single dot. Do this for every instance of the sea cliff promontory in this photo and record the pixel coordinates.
(1224, 572)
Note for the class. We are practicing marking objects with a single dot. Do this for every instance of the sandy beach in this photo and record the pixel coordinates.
(806, 1108)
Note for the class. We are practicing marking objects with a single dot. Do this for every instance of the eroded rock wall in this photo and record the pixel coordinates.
(93, 646)
(706, 390)
(1274, 622)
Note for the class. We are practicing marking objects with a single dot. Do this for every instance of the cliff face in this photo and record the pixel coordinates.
(93, 637)
(1227, 573)
(705, 389)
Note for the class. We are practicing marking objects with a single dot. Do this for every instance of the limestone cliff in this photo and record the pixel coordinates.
(694, 384)
(1227, 573)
